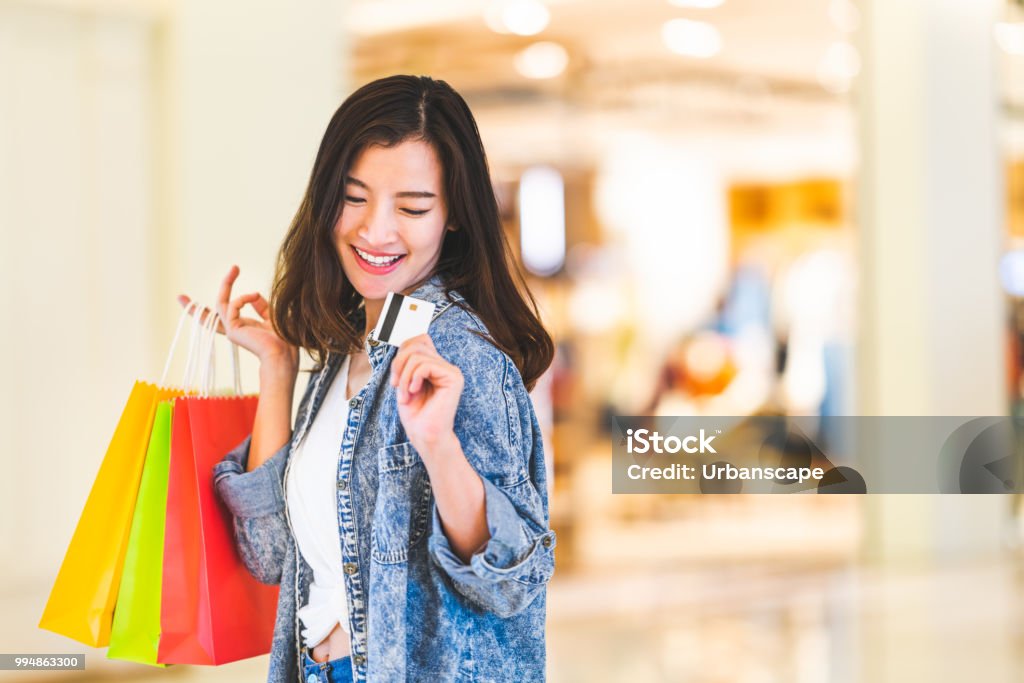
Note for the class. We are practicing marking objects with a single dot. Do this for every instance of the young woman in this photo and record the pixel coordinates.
(406, 516)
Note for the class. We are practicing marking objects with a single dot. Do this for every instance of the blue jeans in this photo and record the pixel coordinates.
(334, 671)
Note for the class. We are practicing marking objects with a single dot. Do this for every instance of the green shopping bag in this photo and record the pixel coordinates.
(135, 633)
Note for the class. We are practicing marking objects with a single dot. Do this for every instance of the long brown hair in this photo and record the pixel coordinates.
(313, 304)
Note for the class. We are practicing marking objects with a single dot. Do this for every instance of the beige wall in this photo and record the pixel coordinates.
(144, 148)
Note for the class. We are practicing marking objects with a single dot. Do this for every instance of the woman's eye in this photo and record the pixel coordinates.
(414, 212)
(354, 200)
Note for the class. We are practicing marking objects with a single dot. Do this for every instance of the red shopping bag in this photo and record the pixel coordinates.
(212, 609)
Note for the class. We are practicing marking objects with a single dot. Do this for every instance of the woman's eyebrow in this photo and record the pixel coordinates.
(407, 193)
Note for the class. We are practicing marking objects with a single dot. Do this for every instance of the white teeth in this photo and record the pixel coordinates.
(377, 260)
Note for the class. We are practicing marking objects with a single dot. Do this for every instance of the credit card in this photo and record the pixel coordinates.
(402, 317)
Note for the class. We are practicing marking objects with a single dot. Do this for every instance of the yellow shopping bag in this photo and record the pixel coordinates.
(81, 602)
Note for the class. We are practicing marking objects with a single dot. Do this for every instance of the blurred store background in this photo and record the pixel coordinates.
(726, 207)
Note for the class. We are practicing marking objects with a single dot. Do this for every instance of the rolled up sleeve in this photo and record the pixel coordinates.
(251, 494)
(510, 569)
(499, 434)
(256, 502)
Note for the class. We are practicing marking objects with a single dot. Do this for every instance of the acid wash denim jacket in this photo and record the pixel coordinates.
(416, 611)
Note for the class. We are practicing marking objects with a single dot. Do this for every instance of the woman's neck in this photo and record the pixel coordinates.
(373, 309)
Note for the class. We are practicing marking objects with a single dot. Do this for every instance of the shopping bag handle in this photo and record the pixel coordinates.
(174, 342)
(194, 344)
(197, 348)
(235, 370)
(208, 349)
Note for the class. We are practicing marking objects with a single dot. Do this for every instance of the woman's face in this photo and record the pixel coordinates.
(391, 228)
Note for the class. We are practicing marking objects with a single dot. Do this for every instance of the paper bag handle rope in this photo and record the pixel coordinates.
(174, 342)
(209, 373)
(192, 358)
(195, 352)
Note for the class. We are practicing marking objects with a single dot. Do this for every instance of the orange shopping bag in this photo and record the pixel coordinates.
(212, 610)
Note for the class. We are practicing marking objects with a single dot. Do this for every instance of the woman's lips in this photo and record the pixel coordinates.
(374, 269)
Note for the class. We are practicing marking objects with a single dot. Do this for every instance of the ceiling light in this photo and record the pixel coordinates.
(1010, 36)
(697, 4)
(838, 67)
(542, 60)
(691, 38)
(542, 219)
(1011, 272)
(522, 17)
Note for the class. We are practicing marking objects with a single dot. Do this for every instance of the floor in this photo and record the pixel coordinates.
(747, 624)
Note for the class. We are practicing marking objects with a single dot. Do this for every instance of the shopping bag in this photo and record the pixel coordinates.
(212, 610)
(135, 634)
(81, 602)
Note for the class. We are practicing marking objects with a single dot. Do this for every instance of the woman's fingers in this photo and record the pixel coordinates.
(398, 363)
(234, 308)
(228, 309)
(232, 314)
(423, 370)
(405, 376)
(224, 295)
(260, 305)
(422, 367)
(421, 343)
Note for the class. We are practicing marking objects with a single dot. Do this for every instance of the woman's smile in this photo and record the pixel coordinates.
(376, 263)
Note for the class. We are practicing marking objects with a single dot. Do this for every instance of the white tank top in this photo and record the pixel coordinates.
(312, 505)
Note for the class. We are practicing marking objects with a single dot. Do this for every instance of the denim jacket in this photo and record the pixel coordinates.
(416, 611)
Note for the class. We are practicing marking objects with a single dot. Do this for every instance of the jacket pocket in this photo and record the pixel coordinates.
(402, 511)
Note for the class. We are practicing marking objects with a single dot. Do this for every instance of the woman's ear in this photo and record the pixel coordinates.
(451, 227)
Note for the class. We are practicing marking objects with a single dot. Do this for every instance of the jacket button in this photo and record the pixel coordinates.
(353, 403)
(373, 342)
(359, 660)
(349, 568)
(343, 484)
(547, 541)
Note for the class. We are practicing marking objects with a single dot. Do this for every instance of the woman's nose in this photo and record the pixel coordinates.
(379, 225)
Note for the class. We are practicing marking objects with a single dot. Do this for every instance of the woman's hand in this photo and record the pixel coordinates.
(279, 365)
(428, 389)
(255, 335)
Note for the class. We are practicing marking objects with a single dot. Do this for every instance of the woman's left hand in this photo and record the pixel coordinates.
(428, 389)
